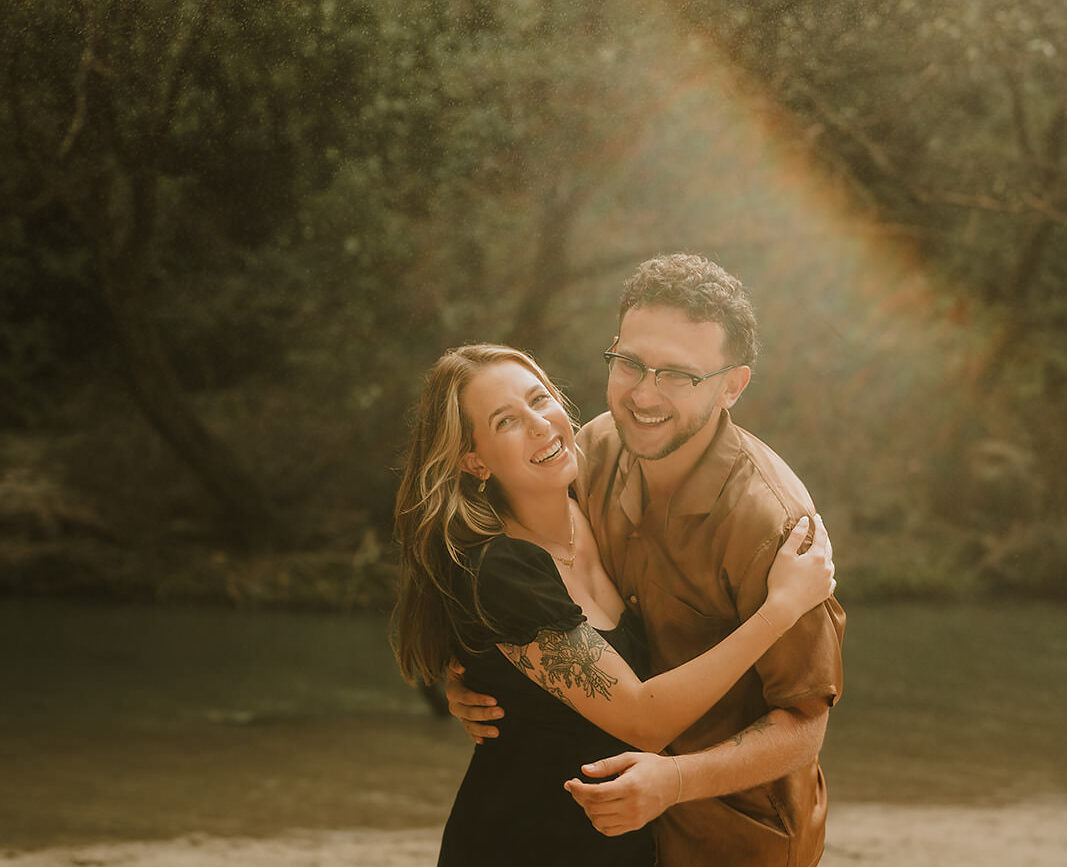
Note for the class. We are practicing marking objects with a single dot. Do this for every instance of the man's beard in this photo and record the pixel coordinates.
(675, 443)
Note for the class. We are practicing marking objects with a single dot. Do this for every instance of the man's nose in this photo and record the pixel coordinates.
(646, 391)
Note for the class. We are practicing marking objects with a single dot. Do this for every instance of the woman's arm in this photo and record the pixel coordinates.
(585, 672)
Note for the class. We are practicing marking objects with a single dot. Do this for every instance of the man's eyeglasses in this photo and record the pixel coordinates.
(630, 372)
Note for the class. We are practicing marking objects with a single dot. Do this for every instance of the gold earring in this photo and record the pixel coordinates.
(481, 487)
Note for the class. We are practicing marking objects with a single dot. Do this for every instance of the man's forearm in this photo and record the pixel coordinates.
(772, 747)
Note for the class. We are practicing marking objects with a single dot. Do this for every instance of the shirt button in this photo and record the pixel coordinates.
(633, 599)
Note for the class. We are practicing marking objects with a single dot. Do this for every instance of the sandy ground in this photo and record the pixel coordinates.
(1024, 835)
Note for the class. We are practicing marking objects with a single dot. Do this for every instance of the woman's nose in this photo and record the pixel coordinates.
(537, 424)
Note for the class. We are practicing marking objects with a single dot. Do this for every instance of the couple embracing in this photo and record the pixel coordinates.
(636, 621)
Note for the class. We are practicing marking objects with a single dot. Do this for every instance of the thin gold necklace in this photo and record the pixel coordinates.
(566, 561)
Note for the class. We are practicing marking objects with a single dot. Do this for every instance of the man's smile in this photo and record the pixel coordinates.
(645, 419)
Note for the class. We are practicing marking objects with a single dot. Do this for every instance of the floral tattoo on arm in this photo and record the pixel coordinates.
(568, 659)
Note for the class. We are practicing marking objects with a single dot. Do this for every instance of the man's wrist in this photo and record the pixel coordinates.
(678, 772)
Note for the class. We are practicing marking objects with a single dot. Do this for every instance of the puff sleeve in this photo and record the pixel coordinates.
(521, 593)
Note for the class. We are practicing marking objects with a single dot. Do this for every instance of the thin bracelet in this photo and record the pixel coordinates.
(763, 617)
(674, 759)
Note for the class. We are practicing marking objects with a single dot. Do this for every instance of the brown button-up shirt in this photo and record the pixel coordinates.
(694, 577)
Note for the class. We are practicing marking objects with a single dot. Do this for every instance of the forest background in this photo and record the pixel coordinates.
(233, 236)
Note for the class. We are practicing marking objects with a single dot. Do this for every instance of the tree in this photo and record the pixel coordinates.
(360, 179)
(93, 91)
(161, 152)
(946, 121)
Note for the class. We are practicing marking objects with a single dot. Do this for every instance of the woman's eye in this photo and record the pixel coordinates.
(503, 422)
(541, 398)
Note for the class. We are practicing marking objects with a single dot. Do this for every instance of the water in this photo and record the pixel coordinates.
(955, 704)
(126, 722)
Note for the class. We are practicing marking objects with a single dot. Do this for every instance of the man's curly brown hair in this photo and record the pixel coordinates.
(704, 291)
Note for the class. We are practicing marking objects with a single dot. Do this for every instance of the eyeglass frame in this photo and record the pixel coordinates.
(610, 355)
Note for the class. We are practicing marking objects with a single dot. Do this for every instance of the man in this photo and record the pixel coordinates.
(688, 511)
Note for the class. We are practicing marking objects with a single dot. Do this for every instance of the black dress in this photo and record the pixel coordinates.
(511, 808)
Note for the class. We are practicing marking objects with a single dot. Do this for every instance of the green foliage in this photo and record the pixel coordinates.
(1028, 562)
(327, 194)
(949, 121)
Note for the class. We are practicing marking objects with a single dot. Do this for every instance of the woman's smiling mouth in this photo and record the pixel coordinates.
(548, 453)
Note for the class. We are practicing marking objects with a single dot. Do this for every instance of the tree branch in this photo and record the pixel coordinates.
(1018, 113)
(178, 69)
(1025, 204)
(80, 99)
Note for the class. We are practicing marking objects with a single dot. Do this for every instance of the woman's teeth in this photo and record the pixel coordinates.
(551, 453)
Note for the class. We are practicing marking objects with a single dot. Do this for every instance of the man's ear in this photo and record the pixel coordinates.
(471, 463)
(736, 382)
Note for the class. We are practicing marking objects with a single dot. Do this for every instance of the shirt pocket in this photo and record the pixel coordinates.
(677, 629)
(723, 830)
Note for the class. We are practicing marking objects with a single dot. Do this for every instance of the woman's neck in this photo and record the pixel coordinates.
(546, 518)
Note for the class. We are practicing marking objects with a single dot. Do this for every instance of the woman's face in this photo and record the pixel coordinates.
(522, 435)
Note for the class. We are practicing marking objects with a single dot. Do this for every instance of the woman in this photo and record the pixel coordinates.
(500, 569)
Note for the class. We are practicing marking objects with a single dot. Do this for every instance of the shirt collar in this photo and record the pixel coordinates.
(699, 492)
(631, 484)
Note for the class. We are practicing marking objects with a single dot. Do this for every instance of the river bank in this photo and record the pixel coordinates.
(203, 737)
(859, 835)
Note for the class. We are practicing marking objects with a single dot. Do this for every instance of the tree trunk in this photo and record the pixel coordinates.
(159, 395)
(531, 324)
(124, 253)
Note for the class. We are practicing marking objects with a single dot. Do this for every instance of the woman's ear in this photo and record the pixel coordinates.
(471, 463)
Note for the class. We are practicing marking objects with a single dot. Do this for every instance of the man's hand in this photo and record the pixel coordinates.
(471, 708)
(647, 784)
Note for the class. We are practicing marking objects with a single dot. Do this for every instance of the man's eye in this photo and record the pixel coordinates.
(675, 378)
(630, 366)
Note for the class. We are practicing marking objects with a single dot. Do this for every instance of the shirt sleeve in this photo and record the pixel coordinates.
(805, 663)
(585, 443)
(521, 593)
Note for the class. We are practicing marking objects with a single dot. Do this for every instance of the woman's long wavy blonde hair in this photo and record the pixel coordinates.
(440, 513)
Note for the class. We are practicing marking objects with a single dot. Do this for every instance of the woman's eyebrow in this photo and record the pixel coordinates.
(498, 411)
(530, 392)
